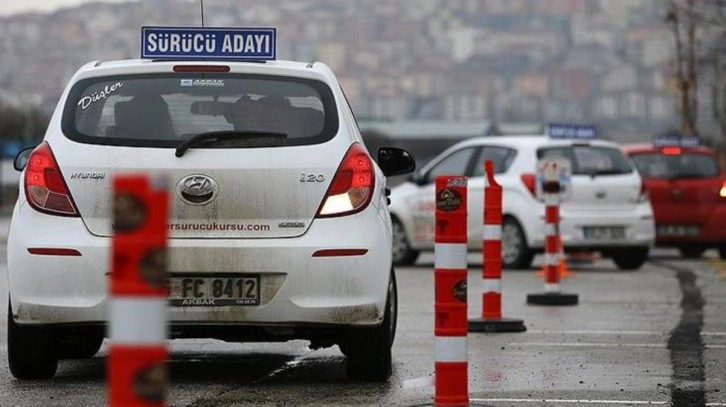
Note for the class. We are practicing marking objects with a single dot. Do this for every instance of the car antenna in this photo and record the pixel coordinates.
(201, 8)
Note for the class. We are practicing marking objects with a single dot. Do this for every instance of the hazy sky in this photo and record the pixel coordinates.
(19, 6)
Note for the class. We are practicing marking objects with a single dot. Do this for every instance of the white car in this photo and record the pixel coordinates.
(272, 188)
(609, 210)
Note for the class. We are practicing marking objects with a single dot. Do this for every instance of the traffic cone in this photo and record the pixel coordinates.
(561, 266)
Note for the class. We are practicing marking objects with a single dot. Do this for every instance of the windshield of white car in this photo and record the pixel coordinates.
(590, 160)
(675, 166)
(166, 110)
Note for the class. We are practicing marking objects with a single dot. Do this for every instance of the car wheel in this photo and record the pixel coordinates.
(369, 349)
(80, 345)
(32, 352)
(515, 252)
(692, 252)
(403, 254)
(630, 258)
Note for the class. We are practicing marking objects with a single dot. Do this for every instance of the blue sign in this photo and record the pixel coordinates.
(675, 140)
(209, 43)
(571, 131)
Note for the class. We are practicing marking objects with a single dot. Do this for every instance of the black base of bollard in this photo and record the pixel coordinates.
(552, 299)
(496, 325)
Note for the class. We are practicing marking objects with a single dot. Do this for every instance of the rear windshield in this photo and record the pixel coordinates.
(685, 165)
(164, 110)
(590, 160)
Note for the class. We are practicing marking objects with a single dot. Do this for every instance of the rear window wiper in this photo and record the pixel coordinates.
(221, 135)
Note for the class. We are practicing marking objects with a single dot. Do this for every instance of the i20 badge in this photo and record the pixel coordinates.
(197, 189)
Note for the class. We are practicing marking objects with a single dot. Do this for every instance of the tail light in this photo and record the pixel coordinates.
(530, 181)
(352, 186)
(45, 188)
(671, 150)
(643, 196)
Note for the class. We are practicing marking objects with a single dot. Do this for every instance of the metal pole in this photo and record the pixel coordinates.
(201, 7)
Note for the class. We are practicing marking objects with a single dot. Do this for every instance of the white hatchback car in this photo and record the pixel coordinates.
(272, 184)
(609, 210)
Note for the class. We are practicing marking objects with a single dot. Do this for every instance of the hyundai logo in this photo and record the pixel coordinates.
(197, 189)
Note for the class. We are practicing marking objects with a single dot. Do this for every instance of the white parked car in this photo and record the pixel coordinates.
(273, 189)
(608, 211)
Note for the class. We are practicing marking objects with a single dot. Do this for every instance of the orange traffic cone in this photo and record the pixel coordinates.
(561, 268)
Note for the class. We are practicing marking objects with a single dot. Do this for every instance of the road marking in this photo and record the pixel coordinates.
(572, 401)
(597, 332)
(589, 344)
(606, 332)
(603, 345)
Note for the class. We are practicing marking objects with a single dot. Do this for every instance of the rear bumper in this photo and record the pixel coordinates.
(296, 288)
(709, 219)
(638, 224)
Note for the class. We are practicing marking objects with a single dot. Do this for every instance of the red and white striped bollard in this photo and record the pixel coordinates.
(136, 366)
(450, 307)
(491, 319)
(552, 294)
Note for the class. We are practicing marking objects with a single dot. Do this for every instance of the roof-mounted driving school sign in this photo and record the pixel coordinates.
(675, 140)
(571, 131)
(208, 43)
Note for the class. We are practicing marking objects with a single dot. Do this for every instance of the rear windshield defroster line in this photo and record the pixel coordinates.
(197, 102)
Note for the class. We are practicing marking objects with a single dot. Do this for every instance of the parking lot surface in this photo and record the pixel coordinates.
(656, 336)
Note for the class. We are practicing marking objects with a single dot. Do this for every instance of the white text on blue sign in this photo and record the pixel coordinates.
(208, 43)
(571, 131)
(674, 140)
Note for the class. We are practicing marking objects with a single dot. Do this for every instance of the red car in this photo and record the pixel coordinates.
(687, 189)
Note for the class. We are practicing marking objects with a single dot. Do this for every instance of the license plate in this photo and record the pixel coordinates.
(678, 230)
(604, 233)
(193, 291)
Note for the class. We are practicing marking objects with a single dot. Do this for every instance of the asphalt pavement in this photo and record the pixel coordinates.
(656, 336)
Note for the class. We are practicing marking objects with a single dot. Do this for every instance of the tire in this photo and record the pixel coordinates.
(80, 345)
(515, 252)
(692, 252)
(32, 351)
(630, 258)
(369, 349)
(722, 252)
(403, 254)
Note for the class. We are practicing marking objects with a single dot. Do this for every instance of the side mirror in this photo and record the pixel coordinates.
(22, 158)
(395, 161)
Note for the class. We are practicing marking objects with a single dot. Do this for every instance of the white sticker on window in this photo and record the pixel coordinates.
(218, 83)
(96, 96)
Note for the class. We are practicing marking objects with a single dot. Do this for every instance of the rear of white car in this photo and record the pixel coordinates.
(281, 197)
(607, 212)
